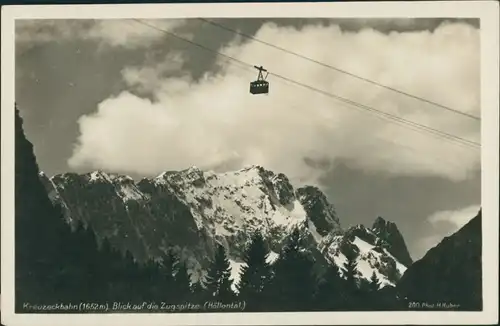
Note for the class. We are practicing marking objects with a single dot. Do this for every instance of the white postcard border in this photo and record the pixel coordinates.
(487, 11)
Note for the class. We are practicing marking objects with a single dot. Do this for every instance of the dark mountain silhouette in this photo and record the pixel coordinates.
(60, 264)
(449, 274)
(38, 226)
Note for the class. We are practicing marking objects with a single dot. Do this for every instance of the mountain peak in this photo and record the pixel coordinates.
(320, 211)
(363, 233)
(253, 167)
(394, 241)
(97, 175)
(379, 221)
(193, 170)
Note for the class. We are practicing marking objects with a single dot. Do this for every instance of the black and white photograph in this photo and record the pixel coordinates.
(250, 163)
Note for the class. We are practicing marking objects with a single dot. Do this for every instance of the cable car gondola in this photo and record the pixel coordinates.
(260, 86)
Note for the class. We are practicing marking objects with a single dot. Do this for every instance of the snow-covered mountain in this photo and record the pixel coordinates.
(192, 210)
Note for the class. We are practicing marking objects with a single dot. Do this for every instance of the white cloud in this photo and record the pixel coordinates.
(148, 79)
(443, 224)
(216, 120)
(130, 34)
(455, 218)
(108, 32)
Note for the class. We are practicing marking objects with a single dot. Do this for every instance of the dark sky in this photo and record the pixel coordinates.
(65, 69)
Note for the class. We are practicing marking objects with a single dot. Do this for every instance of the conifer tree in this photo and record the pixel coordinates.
(182, 283)
(86, 253)
(169, 268)
(351, 281)
(331, 294)
(218, 282)
(374, 283)
(109, 261)
(363, 295)
(368, 297)
(169, 264)
(255, 275)
(363, 286)
(199, 294)
(151, 288)
(351, 272)
(293, 283)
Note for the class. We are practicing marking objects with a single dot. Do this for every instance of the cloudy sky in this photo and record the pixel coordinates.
(123, 97)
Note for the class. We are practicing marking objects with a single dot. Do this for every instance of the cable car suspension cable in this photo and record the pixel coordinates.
(392, 117)
(341, 70)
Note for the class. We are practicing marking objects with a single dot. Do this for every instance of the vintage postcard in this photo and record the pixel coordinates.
(250, 164)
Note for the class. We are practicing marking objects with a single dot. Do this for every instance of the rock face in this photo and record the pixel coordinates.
(389, 233)
(371, 252)
(192, 210)
(450, 273)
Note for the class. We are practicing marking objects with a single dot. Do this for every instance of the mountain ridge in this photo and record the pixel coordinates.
(193, 210)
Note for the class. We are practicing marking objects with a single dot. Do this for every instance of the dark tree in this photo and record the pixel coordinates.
(182, 282)
(370, 298)
(112, 271)
(255, 274)
(132, 277)
(199, 294)
(351, 272)
(364, 297)
(150, 287)
(331, 292)
(351, 281)
(374, 283)
(169, 264)
(294, 283)
(218, 282)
